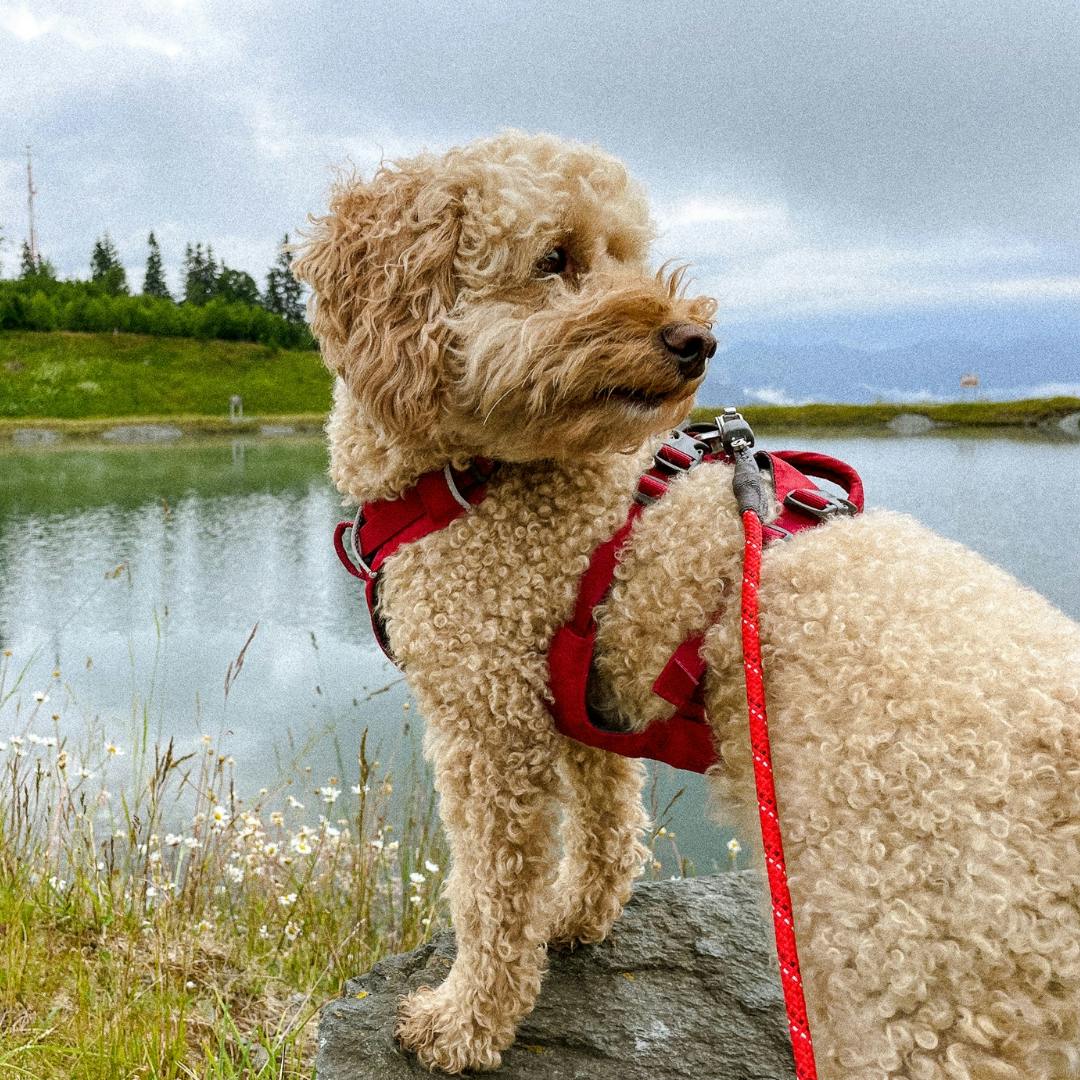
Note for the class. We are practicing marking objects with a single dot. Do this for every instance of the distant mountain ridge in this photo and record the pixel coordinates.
(930, 370)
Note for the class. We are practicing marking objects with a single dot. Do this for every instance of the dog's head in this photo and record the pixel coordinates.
(496, 300)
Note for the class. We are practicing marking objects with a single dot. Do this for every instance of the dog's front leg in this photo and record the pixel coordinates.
(601, 839)
(497, 786)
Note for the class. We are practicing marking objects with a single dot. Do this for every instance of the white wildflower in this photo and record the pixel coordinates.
(287, 900)
(173, 840)
(430, 867)
(329, 794)
(292, 930)
(219, 816)
(40, 697)
(235, 874)
(417, 879)
(295, 803)
(113, 750)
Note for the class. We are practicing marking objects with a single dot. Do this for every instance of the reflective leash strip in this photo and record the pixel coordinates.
(802, 1046)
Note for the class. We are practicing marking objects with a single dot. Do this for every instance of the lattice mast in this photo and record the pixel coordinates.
(31, 191)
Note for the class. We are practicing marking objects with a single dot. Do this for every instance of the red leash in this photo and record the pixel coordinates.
(802, 1046)
(738, 440)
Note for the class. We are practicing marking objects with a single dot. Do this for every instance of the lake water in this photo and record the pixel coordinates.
(139, 572)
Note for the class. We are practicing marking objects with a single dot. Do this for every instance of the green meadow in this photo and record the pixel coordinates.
(87, 380)
(81, 376)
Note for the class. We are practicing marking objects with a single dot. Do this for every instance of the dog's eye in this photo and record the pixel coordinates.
(556, 261)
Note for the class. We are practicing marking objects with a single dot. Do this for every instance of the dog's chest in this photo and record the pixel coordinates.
(500, 580)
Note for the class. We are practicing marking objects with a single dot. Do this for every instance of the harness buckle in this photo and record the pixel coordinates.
(819, 504)
(354, 547)
(649, 489)
(679, 452)
(734, 430)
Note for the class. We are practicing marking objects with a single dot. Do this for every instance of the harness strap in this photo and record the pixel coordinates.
(596, 580)
(382, 527)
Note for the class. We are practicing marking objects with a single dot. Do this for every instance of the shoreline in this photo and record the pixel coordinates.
(42, 432)
(1055, 416)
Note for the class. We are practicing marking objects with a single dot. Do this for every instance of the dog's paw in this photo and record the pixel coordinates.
(443, 1034)
(571, 930)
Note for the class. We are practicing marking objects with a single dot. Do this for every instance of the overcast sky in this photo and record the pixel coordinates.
(869, 169)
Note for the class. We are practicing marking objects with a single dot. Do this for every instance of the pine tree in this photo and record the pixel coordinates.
(27, 266)
(284, 294)
(106, 269)
(154, 281)
(236, 286)
(200, 275)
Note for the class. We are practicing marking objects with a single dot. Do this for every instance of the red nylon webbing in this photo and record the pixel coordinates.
(783, 917)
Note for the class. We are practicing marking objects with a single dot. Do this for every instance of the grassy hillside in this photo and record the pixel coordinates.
(79, 376)
(88, 379)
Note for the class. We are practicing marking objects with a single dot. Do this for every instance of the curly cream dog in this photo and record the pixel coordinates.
(925, 707)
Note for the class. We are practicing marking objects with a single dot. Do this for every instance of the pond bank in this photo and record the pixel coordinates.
(1059, 415)
(26, 433)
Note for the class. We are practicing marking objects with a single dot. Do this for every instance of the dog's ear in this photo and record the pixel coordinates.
(380, 265)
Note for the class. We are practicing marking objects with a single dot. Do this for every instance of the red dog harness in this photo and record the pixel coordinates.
(684, 739)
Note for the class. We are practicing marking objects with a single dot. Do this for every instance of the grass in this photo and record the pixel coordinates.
(81, 376)
(155, 924)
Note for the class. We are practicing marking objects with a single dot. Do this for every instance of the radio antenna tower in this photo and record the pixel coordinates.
(31, 191)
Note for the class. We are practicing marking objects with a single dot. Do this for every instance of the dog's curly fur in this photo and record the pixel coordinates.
(925, 707)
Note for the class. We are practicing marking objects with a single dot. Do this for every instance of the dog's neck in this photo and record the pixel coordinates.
(368, 465)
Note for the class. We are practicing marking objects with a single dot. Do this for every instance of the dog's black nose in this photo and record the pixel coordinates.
(691, 345)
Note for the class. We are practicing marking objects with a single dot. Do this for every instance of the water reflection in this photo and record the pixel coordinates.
(140, 571)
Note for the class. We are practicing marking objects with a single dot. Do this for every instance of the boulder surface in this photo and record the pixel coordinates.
(685, 986)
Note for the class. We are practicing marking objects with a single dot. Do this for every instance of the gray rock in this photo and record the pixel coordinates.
(685, 986)
(1070, 424)
(35, 437)
(136, 433)
(910, 424)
